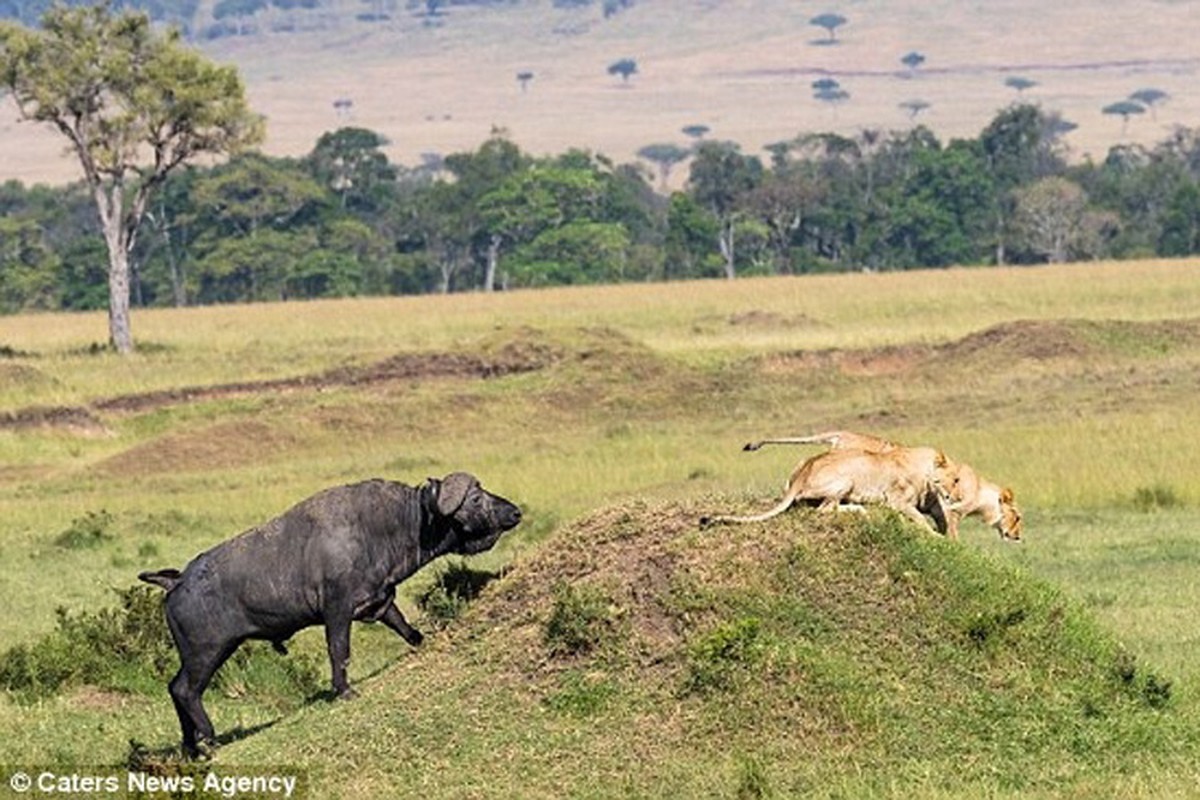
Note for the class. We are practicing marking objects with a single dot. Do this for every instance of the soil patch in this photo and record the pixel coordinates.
(1031, 340)
(75, 420)
(524, 350)
(226, 446)
(757, 318)
(404, 366)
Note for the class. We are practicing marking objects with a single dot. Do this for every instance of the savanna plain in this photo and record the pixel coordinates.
(609, 647)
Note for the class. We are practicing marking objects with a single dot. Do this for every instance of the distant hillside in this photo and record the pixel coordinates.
(637, 656)
(439, 83)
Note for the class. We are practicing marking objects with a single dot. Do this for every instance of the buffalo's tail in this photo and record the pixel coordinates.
(166, 578)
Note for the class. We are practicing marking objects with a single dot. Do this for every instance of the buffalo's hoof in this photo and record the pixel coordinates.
(415, 638)
(346, 694)
(203, 750)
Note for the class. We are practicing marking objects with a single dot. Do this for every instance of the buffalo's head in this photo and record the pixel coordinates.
(476, 516)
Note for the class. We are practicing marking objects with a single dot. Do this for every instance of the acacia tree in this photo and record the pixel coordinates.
(830, 22)
(665, 156)
(134, 104)
(625, 67)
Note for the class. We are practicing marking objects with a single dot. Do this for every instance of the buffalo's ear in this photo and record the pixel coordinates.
(454, 491)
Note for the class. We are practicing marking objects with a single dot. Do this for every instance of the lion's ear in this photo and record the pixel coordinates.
(940, 459)
(1006, 495)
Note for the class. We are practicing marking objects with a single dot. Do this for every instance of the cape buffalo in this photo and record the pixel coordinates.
(331, 559)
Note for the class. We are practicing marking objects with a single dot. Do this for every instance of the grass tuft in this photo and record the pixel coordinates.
(1158, 497)
(456, 586)
(86, 532)
(582, 620)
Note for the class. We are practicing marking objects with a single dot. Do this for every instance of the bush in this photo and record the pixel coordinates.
(456, 586)
(86, 532)
(122, 648)
(129, 649)
(580, 621)
(1155, 498)
(715, 658)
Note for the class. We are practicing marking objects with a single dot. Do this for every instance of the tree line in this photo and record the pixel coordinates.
(343, 220)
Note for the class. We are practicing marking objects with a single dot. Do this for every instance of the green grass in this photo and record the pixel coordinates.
(648, 397)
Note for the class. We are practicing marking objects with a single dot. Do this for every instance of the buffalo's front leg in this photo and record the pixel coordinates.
(337, 640)
(396, 621)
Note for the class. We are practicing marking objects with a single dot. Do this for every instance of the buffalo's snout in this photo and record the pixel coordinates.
(508, 515)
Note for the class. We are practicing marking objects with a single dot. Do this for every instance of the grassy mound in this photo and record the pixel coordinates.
(637, 655)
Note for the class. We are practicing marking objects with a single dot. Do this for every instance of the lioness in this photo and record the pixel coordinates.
(968, 494)
(903, 479)
(962, 491)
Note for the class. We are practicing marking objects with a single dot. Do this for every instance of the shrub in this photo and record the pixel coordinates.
(116, 648)
(1155, 498)
(715, 658)
(129, 649)
(88, 531)
(456, 586)
(580, 621)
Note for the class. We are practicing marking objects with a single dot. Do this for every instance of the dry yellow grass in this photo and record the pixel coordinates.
(741, 66)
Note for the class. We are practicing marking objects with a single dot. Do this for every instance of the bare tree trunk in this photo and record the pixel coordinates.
(111, 206)
(120, 334)
(1000, 250)
(178, 289)
(725, 241)
(493, 259)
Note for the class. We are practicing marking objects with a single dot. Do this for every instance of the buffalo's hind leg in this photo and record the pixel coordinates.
(187, 688)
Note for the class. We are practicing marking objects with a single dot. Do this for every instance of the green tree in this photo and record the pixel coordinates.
(247, 209)
(574, 253)
(253, 268)
(252, 192)
(782, 204)
(1180, 234)
(720, 177)
(940, 208)
(460, 202)
(690, 233)
(541, 198)
(134, 105)
(350, 163)
(27, 266)
(1019, 147)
